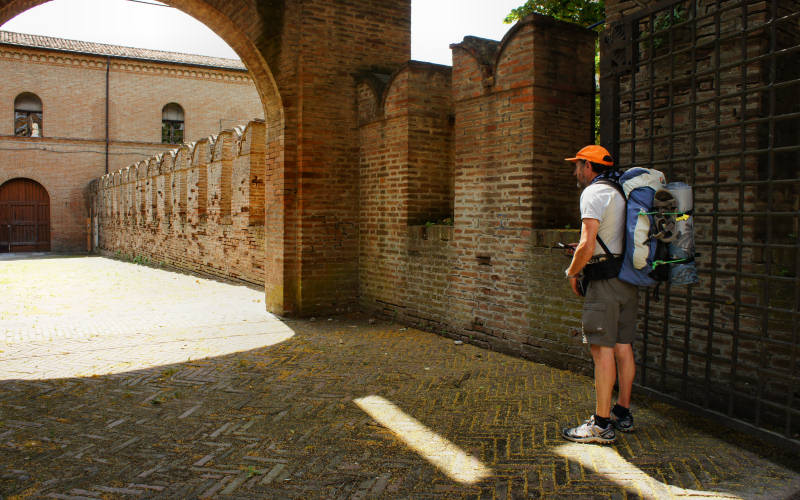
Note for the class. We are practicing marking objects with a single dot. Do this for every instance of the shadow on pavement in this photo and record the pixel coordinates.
(281, 422)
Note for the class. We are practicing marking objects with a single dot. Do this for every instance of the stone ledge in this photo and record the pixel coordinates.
(430, 233)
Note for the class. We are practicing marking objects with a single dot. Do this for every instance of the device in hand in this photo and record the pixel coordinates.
(569, 248)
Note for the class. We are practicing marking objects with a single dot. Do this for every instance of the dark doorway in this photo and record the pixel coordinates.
(24, 217)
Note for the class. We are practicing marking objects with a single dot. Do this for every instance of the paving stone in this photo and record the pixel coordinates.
(155, 384)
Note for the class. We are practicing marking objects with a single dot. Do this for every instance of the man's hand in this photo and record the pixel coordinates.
(573, 282)
(585, 247)
(583, 252)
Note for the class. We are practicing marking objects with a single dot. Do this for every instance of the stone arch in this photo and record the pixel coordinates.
(302, 67)
(235, 22)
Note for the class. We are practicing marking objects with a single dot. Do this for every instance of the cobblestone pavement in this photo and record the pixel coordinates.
(123, 381)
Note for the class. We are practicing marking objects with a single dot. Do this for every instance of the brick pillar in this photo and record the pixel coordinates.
(151, 190)
(197, 182)
(521, 107)
(219, 178)
(178, 185)
(247, 177)
(312, 195)
(163, 186)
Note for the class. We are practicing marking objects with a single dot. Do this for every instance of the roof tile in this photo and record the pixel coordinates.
(102, 49)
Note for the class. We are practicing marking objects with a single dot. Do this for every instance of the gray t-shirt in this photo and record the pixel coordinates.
(604, 203)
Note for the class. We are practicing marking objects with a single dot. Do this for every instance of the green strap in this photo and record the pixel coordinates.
(657, 263)
(661, 213)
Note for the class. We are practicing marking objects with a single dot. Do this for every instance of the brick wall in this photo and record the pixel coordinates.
(509, 180)
(616, 9)
(406, 170)
(198, 207)
(71, 152)
(519, 107)
(383, 185)
(313, 256)
(430, 137)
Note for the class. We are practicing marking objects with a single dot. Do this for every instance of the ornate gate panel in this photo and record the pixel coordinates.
(24, 217)
(708, 91)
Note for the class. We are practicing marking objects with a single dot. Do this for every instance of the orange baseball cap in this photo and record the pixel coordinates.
(594, 154)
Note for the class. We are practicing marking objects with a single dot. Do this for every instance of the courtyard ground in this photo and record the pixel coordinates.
(119, 380)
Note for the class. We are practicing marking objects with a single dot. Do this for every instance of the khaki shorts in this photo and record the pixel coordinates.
(609, 313)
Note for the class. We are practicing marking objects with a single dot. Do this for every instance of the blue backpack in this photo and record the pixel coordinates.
(659, 233)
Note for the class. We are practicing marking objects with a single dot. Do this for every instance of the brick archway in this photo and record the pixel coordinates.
(302, 56)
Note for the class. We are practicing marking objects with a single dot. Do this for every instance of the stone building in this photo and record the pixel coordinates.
(76, 110)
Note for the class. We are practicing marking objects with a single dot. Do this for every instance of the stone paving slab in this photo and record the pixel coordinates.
(123, 381)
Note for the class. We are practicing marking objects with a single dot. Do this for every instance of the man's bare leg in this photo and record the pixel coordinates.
(626, 368)
(605, 374)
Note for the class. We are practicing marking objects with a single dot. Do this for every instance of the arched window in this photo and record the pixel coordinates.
(28, 115)
(172, 124)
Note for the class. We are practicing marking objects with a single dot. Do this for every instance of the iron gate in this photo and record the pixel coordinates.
(708, 91)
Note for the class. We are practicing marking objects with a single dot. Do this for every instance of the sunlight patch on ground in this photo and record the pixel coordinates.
(85, 316)
(448, 457)
(140, 351)
(606, 462)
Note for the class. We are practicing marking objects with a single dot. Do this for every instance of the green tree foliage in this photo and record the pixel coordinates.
(583, 12)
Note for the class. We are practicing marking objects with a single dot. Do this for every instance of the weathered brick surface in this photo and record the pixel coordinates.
(482, 143)
(335, 41)
(312, 199)
(215, 234)
(519, 107)
(509, 180)
(383, 184)
(71, 152)
(406, 172)
(430, 137)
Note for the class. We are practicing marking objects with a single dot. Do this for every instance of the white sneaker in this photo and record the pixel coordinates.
(590, 432)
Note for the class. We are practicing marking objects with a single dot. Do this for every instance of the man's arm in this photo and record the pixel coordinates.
(583, 252)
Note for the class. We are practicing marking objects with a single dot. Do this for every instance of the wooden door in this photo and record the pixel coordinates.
(24, 217)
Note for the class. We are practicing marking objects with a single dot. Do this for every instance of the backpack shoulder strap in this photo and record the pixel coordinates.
(604, 247)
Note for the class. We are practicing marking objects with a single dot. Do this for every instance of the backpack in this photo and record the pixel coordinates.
(659, 232)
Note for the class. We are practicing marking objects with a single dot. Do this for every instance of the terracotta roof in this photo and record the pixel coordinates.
(101, 49)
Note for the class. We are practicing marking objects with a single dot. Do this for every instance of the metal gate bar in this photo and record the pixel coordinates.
(671, 77)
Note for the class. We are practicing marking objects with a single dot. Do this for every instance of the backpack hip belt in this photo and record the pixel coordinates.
(602, 267)
(602, 258)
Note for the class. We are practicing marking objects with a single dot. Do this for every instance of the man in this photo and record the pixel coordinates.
(609, 309)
